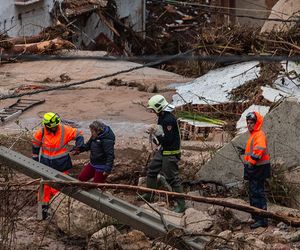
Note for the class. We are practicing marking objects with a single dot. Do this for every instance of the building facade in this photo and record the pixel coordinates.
(29, 17)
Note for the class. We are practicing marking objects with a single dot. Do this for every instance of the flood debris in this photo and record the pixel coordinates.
(43, 47)
(209, 109)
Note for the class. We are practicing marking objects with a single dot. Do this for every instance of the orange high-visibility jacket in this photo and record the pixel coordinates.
(53, 147)
(256, 152)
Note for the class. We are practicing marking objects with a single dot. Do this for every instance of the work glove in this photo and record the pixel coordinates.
(155, 129)
(75, 151)
(240, 150)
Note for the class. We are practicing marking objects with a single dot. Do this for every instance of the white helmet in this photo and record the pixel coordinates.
(157, 103)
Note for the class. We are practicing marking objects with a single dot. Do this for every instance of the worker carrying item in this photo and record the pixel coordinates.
(101, 144)
(256, 165)
(166, 159)
(49, 147)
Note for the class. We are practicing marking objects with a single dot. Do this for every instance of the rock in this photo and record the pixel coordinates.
(277, 233)
(168, 215)
(260, 244)
(255, 243)
(227, 234)
(282, 226)
(134, 240)
(75, 218)
(104, 239)
(4, 92)
(162, 246)
(196, 221)
(212, 210)
(239, 236)
(294, 237)
(280, 246)
(271, 238)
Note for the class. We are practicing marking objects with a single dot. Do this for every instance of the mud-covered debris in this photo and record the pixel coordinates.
(65, 77)
(251, 90)
(118, 82)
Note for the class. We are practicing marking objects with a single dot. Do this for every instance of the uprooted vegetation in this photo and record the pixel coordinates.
(170, 29)
(252, 91)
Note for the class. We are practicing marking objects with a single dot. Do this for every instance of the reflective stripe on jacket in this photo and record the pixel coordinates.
(256, 152)
(54, 152)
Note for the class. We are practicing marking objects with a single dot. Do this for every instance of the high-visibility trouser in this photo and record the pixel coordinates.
(45, 195)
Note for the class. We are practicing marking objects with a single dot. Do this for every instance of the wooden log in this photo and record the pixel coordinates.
(38, 48)
(27, 39)
(292, 221)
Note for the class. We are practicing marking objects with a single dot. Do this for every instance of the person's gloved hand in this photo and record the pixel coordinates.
(75, 151)
(240, 150)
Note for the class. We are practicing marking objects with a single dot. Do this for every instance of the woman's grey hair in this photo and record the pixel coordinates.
(97, 126)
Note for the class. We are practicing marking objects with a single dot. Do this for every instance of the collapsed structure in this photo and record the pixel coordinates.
(210, 108)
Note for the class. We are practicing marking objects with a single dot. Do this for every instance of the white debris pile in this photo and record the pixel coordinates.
(215, 86)
(286, 85)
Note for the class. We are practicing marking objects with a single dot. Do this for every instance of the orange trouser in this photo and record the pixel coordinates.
(49, 192)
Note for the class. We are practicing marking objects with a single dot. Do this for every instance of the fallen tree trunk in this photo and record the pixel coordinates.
(38, 48)
(11, 42)
(292, 221)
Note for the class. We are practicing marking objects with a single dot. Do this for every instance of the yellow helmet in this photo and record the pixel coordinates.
(157, 103)
(51, 120)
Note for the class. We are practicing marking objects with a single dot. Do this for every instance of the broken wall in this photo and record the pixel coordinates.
(282, 128)
(31, 19)
(24, 20)
(97, 29)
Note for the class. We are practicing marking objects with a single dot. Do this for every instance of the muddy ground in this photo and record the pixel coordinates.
(19, 205)
(121, 107)
(130, 164)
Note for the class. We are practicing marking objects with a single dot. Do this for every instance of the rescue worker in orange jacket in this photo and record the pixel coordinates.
(49, 146)
(256, 165)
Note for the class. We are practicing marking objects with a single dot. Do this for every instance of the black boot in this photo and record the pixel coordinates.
(180, 208)
(151, 183)
(259, 223)
(45, 213)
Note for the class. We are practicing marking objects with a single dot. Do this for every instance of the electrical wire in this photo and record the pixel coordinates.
(151, 58)
(212, 6)
(95, 78)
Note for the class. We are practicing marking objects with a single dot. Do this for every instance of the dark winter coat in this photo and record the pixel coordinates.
(170, 141)
(102, 150)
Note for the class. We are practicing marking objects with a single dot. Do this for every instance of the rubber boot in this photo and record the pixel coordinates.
(45, 213)
(180, 207)
(259, 223)
(151, 183)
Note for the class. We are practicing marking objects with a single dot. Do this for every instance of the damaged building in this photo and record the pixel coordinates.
(92, 20)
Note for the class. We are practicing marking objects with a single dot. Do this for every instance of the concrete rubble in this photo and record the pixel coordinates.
(75, 218)
(222, 97)
(105, 238)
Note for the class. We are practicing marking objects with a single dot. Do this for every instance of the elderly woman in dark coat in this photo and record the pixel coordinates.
(101, 145)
